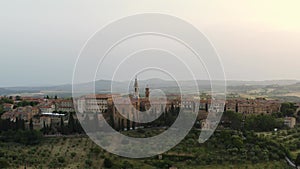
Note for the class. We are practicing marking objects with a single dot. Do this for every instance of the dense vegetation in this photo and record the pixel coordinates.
(2, 101)
(11, 131)
(25, 103)
(258, 123)
(240, 142)
(225, 148)
(73, 127)
(287, 138)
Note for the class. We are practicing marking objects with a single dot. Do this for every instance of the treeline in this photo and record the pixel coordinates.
(26, 137)
(287, 110)
(19, 104)
(225, 147)
(166, 118)
(73, 127)
(7, 124)
(258, 123)
(6, 100)
(15, 131)
(2, 101)
(25, 103)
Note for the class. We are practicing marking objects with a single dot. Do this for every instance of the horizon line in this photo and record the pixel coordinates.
(61, 84)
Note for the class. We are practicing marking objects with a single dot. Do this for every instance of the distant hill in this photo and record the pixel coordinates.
(4, 91)
(279, 86)
(262, 83)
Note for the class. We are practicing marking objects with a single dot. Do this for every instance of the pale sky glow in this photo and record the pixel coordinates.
(40, 40)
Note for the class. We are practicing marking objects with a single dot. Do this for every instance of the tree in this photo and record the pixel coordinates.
(290, 112)
(62, 126)
(233, 119)
(237, 141)
(78, 127)
(1, 110)
(6, 100)
(133, 122)
(4, 163)
(22, 124)
(262, 123)
(172, 109)
(298, 160)
(18, 97)
(17, 125)
(88, 163)
(284, 107)
(61, 159)
(128, 123)
(127, 165)
(26, 103)
(44, 129)
(71, 123)
(112, 121)
(288, 109)
(107, 163)
(31, 124)
(122, 124)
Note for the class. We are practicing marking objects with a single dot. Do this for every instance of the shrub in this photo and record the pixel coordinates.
(88, 162)
(107, 163)
(61, 159)
(73, 154)
(4, 163)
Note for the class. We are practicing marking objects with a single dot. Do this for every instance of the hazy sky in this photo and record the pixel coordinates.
(40, 40)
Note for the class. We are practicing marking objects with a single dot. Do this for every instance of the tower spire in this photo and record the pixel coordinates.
(147, 91)
(136, 88)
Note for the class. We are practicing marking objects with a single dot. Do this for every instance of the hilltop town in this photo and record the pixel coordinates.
(52, 111)
(56, 121)
(34, 120)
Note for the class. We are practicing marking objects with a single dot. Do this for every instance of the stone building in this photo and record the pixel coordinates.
(134, 105)
(290, 122)
(253, 106)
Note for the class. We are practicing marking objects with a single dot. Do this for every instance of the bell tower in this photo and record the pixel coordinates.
(147, 92)
(136, 89)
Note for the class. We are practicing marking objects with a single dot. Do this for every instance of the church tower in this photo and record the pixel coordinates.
(136, 89)
(147, 92)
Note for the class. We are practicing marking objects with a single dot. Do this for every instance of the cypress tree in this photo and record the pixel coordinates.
(61, 125)
(71, 123)
(31, 125)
